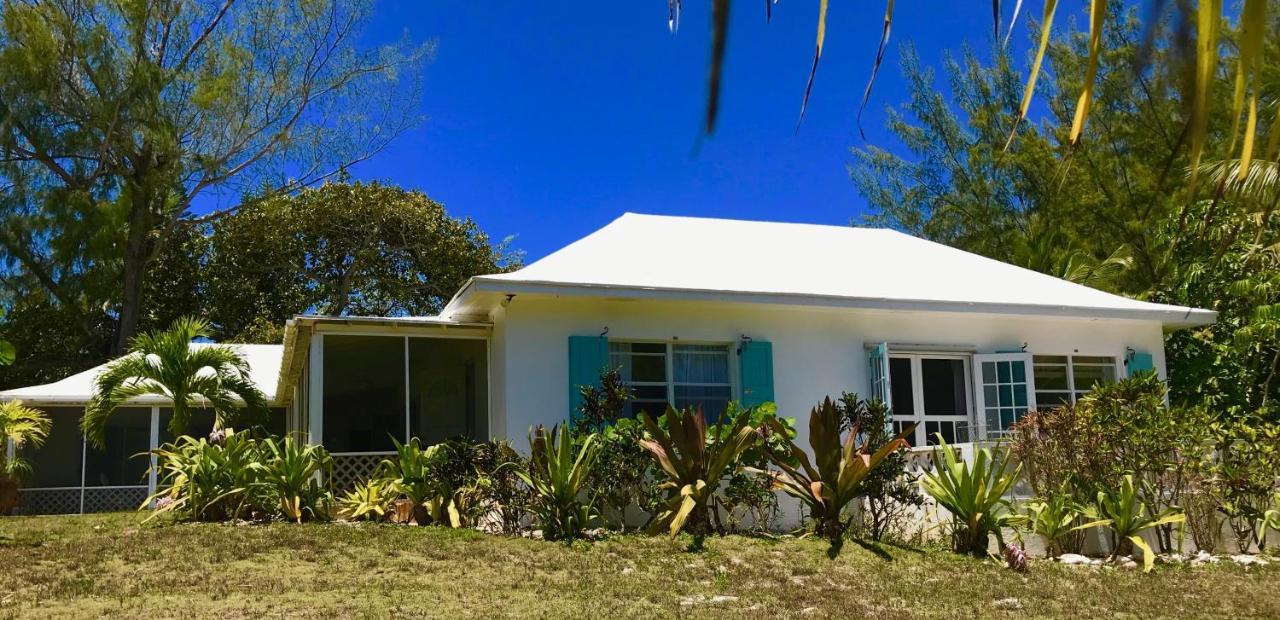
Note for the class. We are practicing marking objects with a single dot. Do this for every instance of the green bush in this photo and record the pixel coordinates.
(974, 494)
(890, 494)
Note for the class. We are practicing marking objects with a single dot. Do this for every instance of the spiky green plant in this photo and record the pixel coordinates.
(1127, 517)
(207, 481)
(1054, 518)
(694, 464)
(23, 427)
(974, 494)
(829, 483)
(292, 471)
(165, 364)
(411, 474)
(558, 474)
(368, 501)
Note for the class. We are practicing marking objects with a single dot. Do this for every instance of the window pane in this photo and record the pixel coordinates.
(943, 382)
(363, 393)
(900, 386)
(1049, 359)
(1093, 359)
(639, 361)
(1047, 400)
(700, 364)
(121, 462)
(1051, 377)
(1087, 376)
(448, 389)
(57, 462)
(712, 399)
(947, 429)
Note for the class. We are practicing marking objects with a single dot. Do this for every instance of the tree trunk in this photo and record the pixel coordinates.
(136, 256)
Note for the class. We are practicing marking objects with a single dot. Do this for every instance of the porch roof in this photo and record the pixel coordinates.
(264, 369)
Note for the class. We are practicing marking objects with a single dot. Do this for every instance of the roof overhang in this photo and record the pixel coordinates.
(481, 294)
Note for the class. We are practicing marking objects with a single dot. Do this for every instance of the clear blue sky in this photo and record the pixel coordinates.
(546, 120)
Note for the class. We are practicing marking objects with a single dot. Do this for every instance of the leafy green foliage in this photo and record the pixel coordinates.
(843, 463)
(1055, 518)
(292, 470)
(1127, 517)
(557, 472)
(368, 501)
(165, 364)
(694, 462)
(890, 492)
(22, 427)
(974, 494)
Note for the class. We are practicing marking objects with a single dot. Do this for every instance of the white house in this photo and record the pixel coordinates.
(701, 311)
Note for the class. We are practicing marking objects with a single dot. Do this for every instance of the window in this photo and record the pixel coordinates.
(1063, 379)
(931, 391)
(684, 375)
(1004, 391)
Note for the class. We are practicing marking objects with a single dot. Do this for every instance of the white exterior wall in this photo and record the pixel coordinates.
(817, 352)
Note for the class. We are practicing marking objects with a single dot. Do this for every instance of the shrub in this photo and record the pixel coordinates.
(557, 473)
(1127, 517)
(1246, 476)
(410, 475)
(368, 501)
(749, 489)
(1056, 519)
(890, 494)
(694, 463)
(973, 494)
(841, 467)
(292, 471)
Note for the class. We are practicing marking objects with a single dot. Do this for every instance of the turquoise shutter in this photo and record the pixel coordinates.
(587, 356)
(755, 367)
(878, 380)
(1139, 362)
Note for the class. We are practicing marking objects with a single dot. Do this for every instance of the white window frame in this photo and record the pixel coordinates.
(1072, 393)
(669, 359)
(918, 413)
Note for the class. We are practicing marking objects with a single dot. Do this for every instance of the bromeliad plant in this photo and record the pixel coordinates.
(1127, 517)
(694, 463)
(207, 481)
(973, 494)
(368, 501)
(292, 471)
(833, 479)
(558, 473)
(1055, 518)
(411, 474)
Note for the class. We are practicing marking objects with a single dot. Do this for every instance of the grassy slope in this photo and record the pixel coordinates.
(109, 565)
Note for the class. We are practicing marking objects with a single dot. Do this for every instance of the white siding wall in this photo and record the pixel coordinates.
(816, 352)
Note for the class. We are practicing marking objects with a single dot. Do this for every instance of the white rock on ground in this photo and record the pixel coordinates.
(1248, 560)
(1007, 604)
(1074, 559)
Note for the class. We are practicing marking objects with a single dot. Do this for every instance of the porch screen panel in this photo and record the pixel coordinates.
(122, 460)
(448, 389)
(199, 424)
(57, 463)
(364, 393)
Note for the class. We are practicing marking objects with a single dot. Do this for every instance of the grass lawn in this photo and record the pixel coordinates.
(108, 565)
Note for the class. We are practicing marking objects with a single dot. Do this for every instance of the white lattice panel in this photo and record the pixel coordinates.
(49, 502)
(110, 499)
(352, 469)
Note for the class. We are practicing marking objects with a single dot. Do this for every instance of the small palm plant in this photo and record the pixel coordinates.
(694, 465)
(841, 465)
(23, 426)
(558, 475)
(164, 364)
(1127, 517)
(973, 494)
(292, 471)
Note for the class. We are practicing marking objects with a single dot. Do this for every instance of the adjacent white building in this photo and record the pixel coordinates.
(700, 311)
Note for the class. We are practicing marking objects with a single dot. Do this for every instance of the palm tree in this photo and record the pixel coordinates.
(164, 364)
(23, 426)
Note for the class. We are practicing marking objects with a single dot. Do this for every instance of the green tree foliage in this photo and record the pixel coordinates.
(341, 248)
(115, 117)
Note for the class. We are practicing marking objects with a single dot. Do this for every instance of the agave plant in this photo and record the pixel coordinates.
(412, 474)
(291, 471)
(833, 479)
(165, 364)
(366, 502)
(558, 474)
(974, 494)
(1055, 518)
(1127, 517)
(694, 464)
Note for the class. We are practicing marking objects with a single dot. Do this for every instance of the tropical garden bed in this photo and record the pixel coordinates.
(111, 565)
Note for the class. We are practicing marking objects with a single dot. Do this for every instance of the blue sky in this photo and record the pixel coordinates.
(546, 120)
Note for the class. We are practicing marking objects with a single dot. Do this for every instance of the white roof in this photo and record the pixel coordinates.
(264, 369)
(804, 264)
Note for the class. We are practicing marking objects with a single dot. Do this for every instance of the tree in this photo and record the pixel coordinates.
(116, 117)
(22, 427)
(341, 248)
(165, 364)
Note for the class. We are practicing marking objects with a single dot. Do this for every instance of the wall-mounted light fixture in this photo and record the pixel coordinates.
(743, 342)
(604, 332)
